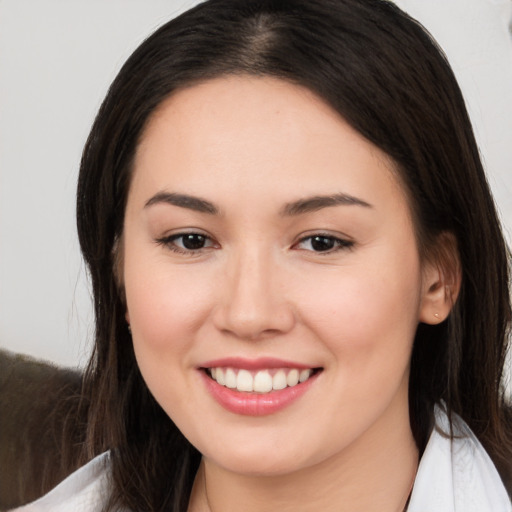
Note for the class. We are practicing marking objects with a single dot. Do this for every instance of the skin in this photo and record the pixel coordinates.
(250, 146)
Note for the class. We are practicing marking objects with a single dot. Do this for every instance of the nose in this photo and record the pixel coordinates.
(253, 301)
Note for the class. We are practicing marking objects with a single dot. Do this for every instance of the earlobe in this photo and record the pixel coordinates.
(441, 281)
(437, 302)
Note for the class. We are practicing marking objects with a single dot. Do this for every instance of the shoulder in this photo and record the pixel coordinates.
(87, 489)
(456, 474)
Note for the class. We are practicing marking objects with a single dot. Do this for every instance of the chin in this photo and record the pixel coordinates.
(258, 464)
(262, 454)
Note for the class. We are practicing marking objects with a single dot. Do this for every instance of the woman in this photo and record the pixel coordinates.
(301, 287)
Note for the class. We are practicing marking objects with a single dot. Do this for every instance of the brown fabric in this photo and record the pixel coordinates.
(38, 410)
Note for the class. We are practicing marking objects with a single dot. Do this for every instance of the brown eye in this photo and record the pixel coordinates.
(192, 241)
(323, 243)
(187, 243)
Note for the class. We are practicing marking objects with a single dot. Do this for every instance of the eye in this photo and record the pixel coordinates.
(323, 243)
(187, 243)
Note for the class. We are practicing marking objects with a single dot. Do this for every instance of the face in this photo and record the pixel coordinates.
(272, 277)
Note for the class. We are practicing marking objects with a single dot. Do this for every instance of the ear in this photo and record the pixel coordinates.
(442, 277)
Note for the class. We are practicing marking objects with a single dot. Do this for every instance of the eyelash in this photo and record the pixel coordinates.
(169, 243)
(339, 244)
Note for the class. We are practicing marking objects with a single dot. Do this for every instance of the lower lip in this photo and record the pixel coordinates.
(256, 404)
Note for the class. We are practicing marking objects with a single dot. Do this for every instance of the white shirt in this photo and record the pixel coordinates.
(453, 476)
(457, 475)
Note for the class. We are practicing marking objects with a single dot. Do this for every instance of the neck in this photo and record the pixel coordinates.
(376, 473)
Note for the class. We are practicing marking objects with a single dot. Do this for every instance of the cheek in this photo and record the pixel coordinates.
(166, 307)
(365, 309)
(164, 304)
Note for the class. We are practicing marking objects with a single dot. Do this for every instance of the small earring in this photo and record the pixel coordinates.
(435, 314)
(129, 328)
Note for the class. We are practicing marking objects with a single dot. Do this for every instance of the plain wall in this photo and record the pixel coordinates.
(57, 58)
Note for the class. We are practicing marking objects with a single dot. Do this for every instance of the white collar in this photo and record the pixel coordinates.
(457, 475)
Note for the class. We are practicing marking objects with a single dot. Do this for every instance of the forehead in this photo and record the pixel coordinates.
(240, 131)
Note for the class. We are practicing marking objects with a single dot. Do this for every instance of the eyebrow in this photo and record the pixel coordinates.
(315, 203)
(299, 207)
(183, 201)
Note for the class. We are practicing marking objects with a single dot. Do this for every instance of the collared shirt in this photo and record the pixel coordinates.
(457, 475)
(454, 475)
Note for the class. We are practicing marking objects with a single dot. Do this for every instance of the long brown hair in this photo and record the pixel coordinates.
(382, 73)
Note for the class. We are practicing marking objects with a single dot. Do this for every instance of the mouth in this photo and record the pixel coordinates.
(257, 387)
(262, 381)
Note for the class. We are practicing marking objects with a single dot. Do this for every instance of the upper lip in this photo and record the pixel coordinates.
(254, 364)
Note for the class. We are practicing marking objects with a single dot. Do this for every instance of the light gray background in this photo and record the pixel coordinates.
(57, 58)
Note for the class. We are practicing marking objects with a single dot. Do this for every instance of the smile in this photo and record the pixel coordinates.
(257, 387)
(261, 381)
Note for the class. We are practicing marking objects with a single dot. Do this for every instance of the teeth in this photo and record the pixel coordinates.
(230, 378)
(262, 381)
(218, 375)
(304, 375)
(293, 378)
(279, 380)
(244, 381)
